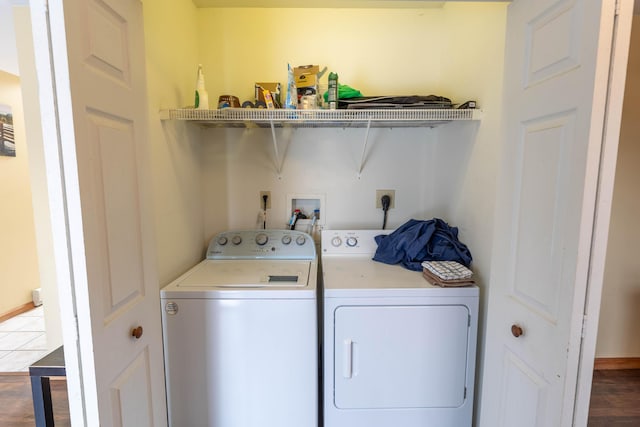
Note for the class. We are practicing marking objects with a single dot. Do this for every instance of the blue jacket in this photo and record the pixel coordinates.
(417, 241)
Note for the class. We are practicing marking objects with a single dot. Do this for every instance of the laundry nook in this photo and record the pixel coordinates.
(328, 213)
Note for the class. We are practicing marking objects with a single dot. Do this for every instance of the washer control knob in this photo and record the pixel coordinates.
(222, 240)
(300, 240)
(262, 239)
(286, 239)
(336, 241)
(352, 241)
(236, 240)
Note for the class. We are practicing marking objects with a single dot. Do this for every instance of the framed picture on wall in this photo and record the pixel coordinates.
(7, 141)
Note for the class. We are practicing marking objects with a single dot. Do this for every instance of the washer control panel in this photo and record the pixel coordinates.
(350, 242)
(261, 244)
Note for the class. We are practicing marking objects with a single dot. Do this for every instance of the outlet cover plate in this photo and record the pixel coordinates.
(390, 193)
(268, 194)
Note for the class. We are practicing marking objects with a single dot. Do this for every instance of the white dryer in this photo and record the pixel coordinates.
(240, 334)
(397, 350)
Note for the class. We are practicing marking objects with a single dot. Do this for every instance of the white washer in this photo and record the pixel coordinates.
(397, 350)
(240, 334)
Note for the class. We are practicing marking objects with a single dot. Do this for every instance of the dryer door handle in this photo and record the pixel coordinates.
(347, 358)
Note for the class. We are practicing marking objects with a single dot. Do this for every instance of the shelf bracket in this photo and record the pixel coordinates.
(364, 148)
(276, 152)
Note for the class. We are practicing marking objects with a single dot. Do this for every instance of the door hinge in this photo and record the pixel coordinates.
(465, 393)
(76, 330)
(617, 10)
(584, 326)
(469, 322)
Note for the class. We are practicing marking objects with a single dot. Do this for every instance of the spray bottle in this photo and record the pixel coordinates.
(291, 101)
(202, 97)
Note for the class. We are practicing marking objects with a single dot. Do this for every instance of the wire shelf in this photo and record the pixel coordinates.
(231, 117)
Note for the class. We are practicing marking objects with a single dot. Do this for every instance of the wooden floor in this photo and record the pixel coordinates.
(16, 405)
(615, 400)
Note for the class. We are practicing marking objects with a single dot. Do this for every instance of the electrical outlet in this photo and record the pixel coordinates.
(390, 193)
(268, 194)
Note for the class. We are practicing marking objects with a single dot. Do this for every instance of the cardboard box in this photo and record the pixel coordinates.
(306, 76)
(272, 87)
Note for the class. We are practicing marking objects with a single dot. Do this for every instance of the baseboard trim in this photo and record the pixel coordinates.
(18, 310)
(611, 363)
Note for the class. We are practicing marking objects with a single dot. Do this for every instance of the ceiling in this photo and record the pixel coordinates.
(336, 3)
(320, 3)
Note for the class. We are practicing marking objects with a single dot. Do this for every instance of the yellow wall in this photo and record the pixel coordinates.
(172, 56)
(620, 309)
(378, 51)
(18, 258)
(446, 172)
(206, 181)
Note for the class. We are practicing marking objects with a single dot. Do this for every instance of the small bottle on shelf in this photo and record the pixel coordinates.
(332, 96)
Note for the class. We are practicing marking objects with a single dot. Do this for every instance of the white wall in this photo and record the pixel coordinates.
(17, 274)
(8, 53)
(18, 257)
(620, 308)
(240, 163)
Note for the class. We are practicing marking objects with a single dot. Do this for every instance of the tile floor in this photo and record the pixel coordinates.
(22, 341)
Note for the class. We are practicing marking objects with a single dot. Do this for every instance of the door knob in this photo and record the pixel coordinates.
(516, 331)
(136, 332)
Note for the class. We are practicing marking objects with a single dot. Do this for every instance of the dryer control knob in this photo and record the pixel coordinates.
(300, 240)
(222, 240)
(352, 241)
(336, 241)
(262, 239)
(236, 240)
(286, 239)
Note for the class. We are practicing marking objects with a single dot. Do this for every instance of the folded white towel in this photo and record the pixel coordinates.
(448, 270)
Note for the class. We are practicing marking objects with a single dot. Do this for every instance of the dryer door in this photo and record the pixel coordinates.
(400, 356)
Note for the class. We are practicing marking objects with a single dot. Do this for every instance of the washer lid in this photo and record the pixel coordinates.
(246, 274)
(246, 279)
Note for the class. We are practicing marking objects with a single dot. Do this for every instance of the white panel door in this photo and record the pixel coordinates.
(103, 125)
(555, 92)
